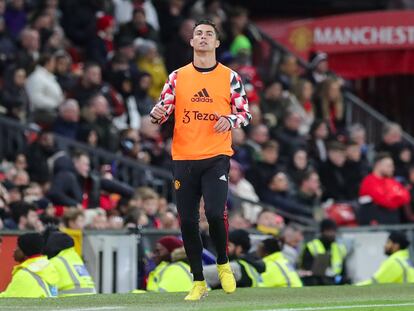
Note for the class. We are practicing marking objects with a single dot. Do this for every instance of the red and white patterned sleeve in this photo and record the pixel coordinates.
(239, 104)
(167, 97)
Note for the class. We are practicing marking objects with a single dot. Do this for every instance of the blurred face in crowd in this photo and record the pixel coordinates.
(329, 235)
(300, 159)
(292, 237)
(161, 254)
(384, 168)
(260, 134)
(237, 221)
(70, 111)
(337, 157)
(17, 4)
(334, 91)
(279, 183)
(240, 21)
(20, 163)
(390, 247)
(150, 206)
(145, 82)
(139, 18)
(353, 153)
(30, 40)
(30, 222)
(21, 178)
(47, 140)
(393, 136)
(359, 136)
(290, 66)
(82, 165)
(257, 117)
(322, 67)
(270, 155)
(234, 251)
(311, 185)
(235, 173)
(274, 91)
(93, 75)
(19, 78)
(405, 155)
(78, 223)
(238, 136)
(169, 221)
(204, 39)
(63, 65)
(186, 30)
(270, 220)
(100, 221)
(293, 121)
(2, 6)
(307, 91)
(100, 106)
(322, 131)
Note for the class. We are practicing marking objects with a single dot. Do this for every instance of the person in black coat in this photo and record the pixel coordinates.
(332, 173)
(67, 122)
(73, 183)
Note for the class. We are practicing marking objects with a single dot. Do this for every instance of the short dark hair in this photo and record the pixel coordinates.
(381, 156)
(79, 153)
(272, 245)
(45, 58)
(21, 209)
(306, 175)
(209, 23)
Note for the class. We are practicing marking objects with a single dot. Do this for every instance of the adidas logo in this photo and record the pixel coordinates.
(201, 97)
(223, 178)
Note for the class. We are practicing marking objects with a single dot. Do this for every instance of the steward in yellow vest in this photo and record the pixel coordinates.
(35, 276)
(397, 268)
(172, 273)
(74, 278)
(324, 258)
(279, 272)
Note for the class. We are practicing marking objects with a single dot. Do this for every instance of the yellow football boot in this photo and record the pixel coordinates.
(227, 280)
(198, 291)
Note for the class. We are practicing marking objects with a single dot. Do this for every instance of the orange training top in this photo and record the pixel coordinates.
(199, 97)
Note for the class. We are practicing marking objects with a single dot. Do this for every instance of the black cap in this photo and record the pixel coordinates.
(57, 242)
(272, 245)
(240, 237)
(327, 224)
(400, 238)
(31, 243)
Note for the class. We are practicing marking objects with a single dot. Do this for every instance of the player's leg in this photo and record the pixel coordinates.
(188, 194)
(214, 185)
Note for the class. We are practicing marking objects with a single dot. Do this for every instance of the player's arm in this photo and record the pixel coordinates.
(166, 104)
(239, 106)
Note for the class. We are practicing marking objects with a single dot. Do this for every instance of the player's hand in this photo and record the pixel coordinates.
(157, 113)
(222, 125)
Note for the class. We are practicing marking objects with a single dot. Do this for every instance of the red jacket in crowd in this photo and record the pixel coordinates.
(384, 191)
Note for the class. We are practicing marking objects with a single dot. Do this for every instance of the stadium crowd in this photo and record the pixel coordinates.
(91, 70)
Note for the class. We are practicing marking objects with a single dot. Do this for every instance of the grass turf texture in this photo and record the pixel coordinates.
(398, 297)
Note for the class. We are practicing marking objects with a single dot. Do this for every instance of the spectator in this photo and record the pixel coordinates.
(169, 221)
(319, 68)
(37, 156)
(15, 17)
(7, 45)
(67, 122)
(29, 52)
(391, 141)
(309, 192)
(278, 272)
(292, 237)
(96, 116)
(288, 73)
(144, 101)
(297, 166)
(138, 27)
(14, 96)
(64, 75)
(74, 219)
(382, 194)
(317, 145)
(34, 276)
(96, 219)
(44, 92)
(23, 217)
(258, 135)
(325, 246)
(150, 61)
(288, 135)
(273, 103)
(150, 206)
(241, 153)
(330, 104)
(101, 46)
(357, 133)
(183, 53)
(403, 163)
(238, 221)
(332, 173)
(238, 185)
(279, 195)
(170, 14)
(269, 223)
(302, 102)
(74, 184)
(355, 168)
(262, 170)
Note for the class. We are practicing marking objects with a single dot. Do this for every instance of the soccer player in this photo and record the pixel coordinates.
(208, 100)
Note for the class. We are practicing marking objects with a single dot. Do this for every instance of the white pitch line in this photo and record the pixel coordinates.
(343, 307)
(70, 309)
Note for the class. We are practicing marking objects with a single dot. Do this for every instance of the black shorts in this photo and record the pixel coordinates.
(207, 178)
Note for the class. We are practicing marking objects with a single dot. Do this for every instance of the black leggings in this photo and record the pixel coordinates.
(207, 178)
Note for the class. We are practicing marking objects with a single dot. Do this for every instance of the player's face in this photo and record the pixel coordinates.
(204, 39)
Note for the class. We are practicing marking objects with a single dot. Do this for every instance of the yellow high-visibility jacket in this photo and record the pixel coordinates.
(34, 278)
(170, 277)
(279, 273)
(74, 278)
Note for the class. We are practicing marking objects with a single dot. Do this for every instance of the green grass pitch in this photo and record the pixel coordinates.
(344, 298)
